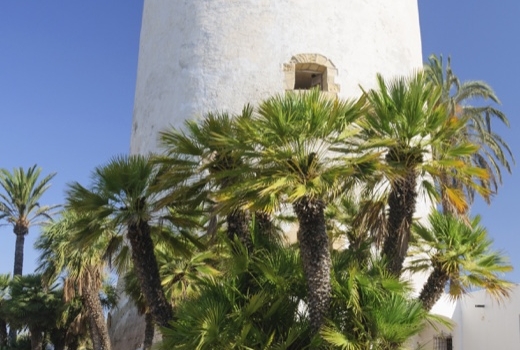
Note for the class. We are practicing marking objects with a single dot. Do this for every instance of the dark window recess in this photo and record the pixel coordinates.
(306, 80)
(443, 342)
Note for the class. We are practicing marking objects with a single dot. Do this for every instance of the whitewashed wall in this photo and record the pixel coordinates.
(479, 323)
(204, 55)
(493, 326)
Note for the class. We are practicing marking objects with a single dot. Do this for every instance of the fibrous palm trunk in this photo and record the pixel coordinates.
(18, 255)
(238, 225)
(264, 224)
(73, 343)
(401, 203)
(149, 331)
(147, 270)
(36, 338)
(58, 338)
(315, 253)
(447, 208)
(91, 298)
(433, 288)
(20, 231)
(3, 333)
(238, 220)
(94, 334)
(58, 342)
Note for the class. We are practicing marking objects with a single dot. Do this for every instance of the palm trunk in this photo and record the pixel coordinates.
(36, 338)
(315, 253)
(238, 225)
(264, 224)
(238, 228)
(445, 203)
(149, 331)
(238, 220)
(3, 333)
(147, 270)
(94, 334)
(18, 255)
(91, 299)
(401, 203)
(58, 338)
(433, 288)
(20, 232)
(12, 335)
(59, 344)
(73, 343)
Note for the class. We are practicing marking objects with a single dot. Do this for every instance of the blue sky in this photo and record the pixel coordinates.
(67, 79)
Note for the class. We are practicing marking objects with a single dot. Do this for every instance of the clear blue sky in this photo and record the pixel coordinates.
(67, 79)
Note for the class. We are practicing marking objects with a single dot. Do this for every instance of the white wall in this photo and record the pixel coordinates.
(207, 55)
(494, 326)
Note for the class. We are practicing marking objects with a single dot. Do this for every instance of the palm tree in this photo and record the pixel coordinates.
(390, 320)
(460, 256)
(407, 119)
(297, 153)
(195, 165)
(121, 194)
(180, 269)
(71, 331)
(222, 315)
(84, 267)
(20, 206)
(181, 274)
(33, 306)
(494, 151)
(371, 309)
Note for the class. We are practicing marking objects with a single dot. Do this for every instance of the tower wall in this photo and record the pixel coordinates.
(206, 55)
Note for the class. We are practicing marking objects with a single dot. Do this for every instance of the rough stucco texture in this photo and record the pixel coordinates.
(209, 55)
(126, 326)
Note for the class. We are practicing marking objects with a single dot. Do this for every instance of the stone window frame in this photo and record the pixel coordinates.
(313, 62)
(443, 342)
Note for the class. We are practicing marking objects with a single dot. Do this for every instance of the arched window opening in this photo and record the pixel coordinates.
(443, 342)
(306, 71)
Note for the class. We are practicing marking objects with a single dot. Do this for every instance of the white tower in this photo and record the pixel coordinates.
(206, 55)
(198, 56)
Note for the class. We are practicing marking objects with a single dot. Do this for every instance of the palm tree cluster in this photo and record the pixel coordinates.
(199, 232)
(42, 308)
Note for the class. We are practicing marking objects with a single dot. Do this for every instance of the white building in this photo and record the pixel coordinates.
(479, 323)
